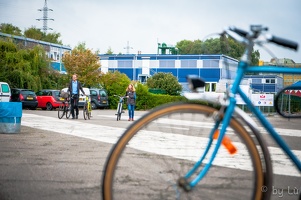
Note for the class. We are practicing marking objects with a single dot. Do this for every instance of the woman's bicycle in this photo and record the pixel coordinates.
(167, 153)
(87, 110)
(65, 106)
(119, 110)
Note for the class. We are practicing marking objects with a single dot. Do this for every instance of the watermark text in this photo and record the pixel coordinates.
(280, 192)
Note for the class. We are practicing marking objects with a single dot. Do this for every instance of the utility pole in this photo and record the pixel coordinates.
(128, 48)
(45, 18)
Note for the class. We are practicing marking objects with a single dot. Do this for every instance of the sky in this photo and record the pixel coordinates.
(141, 24)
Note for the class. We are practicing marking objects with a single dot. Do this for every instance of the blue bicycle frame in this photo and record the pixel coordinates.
(235, 89)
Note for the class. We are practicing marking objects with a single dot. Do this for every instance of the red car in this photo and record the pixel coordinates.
(48, 99)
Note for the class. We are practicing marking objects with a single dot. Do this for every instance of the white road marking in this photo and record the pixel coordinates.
(281, 163)
(280, 131)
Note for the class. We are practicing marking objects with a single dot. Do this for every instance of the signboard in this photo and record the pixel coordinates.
(262, 99)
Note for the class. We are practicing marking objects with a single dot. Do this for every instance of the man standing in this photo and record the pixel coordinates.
(74, 88)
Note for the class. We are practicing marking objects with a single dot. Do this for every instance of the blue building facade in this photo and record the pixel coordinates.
(266, 83)
(139, 67)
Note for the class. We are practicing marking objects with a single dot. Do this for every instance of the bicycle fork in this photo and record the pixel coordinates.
(217, 132)
(223, 123)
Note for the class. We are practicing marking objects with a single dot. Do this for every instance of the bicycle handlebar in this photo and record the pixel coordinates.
(256, 30)
(240, 32)
(283, 42)
(119, 96)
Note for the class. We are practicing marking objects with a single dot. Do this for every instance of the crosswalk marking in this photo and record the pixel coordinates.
(281, 163)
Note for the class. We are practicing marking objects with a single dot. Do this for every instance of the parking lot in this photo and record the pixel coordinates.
(64, 159)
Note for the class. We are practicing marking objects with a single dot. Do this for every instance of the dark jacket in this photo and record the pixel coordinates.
(79, 87)
(131, 98)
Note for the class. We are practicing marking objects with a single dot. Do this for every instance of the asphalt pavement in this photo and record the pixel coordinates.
(57, 159)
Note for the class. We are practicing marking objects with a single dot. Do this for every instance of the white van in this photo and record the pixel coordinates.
(5, 92)
(82, 98)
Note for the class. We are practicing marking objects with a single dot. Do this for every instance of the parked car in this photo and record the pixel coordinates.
(4, 92)
(99, 98)
(82, 98)
(48, 99)
(26, 96)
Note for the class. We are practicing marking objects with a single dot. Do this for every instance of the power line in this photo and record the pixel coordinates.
(45, 18)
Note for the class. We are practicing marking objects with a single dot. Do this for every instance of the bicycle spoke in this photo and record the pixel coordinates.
(61, 111)
(159, 149)
(68, 111)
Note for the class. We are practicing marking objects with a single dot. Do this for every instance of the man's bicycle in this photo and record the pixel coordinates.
(119, 110)
(173, 152)
(65, 106)
(87, 110)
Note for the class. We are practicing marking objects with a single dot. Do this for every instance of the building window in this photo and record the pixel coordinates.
(167, 64)
(270, 81)
(211, 63)
(210, 87)
(213, 87)
(256, 80)
(188, 63)
(125, 63)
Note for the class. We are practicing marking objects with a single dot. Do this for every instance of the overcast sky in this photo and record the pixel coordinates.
(113, 23)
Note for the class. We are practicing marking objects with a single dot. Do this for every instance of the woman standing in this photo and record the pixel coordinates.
(131, 100)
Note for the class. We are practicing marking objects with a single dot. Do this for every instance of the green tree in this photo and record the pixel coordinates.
(223, 45)
(37, 34)
(84, 63)
(212, 46)
(143, 96)
(165, 81)
(25, 68)
(115, 83)
(52, 38)
(185, 46)
(34, 33)
(10, 29)
(109, 51)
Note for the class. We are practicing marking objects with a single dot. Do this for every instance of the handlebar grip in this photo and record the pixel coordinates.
(283, 42)
(240, 32)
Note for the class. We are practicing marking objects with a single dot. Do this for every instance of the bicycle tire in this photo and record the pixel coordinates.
(89, 111)
(132, 167)
(265, 157)
(119, 111)
(68, 110)
(61, 111)
(85, 112)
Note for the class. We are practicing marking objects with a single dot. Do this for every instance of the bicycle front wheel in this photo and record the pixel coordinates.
(61, 111)
(68, 110)
(89, 110)
(85, 112)
(162, 146)
(119, 110)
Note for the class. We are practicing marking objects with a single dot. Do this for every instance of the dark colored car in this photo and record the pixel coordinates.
(48, 99)
(99, 98)
(26, 96)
